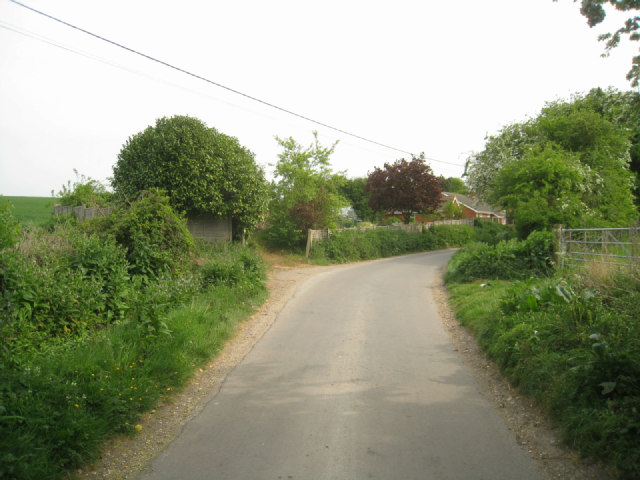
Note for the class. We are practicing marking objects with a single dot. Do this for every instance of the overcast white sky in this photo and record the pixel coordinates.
(422, 76)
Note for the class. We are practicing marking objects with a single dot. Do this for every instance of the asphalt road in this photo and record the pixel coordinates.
(356, 379)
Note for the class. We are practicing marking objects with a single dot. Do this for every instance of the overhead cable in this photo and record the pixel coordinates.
(237, 92)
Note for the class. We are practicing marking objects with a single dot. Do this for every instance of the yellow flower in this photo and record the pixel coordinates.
(138, 427)
(77, 406)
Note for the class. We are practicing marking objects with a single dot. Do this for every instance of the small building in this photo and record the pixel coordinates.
(473, 207)
(210, 227)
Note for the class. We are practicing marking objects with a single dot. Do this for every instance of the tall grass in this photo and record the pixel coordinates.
(85, 347)
(573, 344)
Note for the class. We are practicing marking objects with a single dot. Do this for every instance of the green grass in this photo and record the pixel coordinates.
(573, 345)
(32, 210)
(65, 402)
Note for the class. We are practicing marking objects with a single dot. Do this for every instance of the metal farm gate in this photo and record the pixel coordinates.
(611, 246)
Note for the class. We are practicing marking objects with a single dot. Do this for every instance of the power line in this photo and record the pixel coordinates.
(237, 92)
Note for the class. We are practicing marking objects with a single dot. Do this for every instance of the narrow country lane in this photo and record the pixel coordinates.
(355, 380)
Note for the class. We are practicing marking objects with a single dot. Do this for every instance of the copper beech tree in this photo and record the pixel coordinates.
(404, 187)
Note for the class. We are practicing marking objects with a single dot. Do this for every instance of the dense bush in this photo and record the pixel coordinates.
(510, 259)
(573, 346)
(154, 236)
(85, 347)
(486, 231)
(366, 244)
(84, 192)
(59, 284)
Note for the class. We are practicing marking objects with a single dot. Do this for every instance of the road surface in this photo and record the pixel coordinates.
(356, 379)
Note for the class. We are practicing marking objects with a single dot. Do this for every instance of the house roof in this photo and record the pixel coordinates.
(473, 203)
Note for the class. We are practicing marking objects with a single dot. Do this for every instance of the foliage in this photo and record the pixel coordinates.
(569, 165)
(84, 191)
(355, 192)
(595, 13)
(406, 187)
(154, 236)
(453, 211)
(9, 229)
(305, 193)
(506, 260)
(60, 284)
(573, 347)
(453, 185)
(367, 244)
(389, 221)
(201, 169)
(490, 232)
(71, 375)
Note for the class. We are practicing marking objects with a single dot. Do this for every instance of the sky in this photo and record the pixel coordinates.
(415, 75)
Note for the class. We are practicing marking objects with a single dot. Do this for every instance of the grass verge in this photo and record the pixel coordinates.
(61, 399)
(573, 346)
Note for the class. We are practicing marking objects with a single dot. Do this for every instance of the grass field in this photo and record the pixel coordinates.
(32, 210)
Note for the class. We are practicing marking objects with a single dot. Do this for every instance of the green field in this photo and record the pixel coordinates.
(31, 210)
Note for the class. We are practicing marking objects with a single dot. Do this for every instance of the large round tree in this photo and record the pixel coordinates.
(404, 187)
(201, 169)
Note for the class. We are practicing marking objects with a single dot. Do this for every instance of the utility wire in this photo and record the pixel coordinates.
(237, 92)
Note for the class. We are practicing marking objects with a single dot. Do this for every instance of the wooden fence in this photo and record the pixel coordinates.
(610, 246)
(314, 236)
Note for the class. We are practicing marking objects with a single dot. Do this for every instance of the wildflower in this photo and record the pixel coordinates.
(138, 427)
(77, 406)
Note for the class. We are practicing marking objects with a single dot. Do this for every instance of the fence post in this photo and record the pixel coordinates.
(309, 242)
(558, 246)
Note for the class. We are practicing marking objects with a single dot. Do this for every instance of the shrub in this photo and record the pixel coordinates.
(490, 232)
(390, 221)
(354, 245)
(8, 225)
(506, 260)
(84, 192)
(155, 237)
(573, 347)
(60, 284)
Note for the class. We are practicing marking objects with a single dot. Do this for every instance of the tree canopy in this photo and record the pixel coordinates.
(453, 185)
(201, 169)
(568, 165)
(304, 192)
(595, 14)
(405, 187)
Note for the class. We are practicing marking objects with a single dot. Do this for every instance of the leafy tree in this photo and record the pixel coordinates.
(201, 169)
(353, 189)
(453, 185)
(405, 187)
(453, 211)
(482, 167)
(588, 136)
(305, 193)
(544, 188)
(595, 13)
